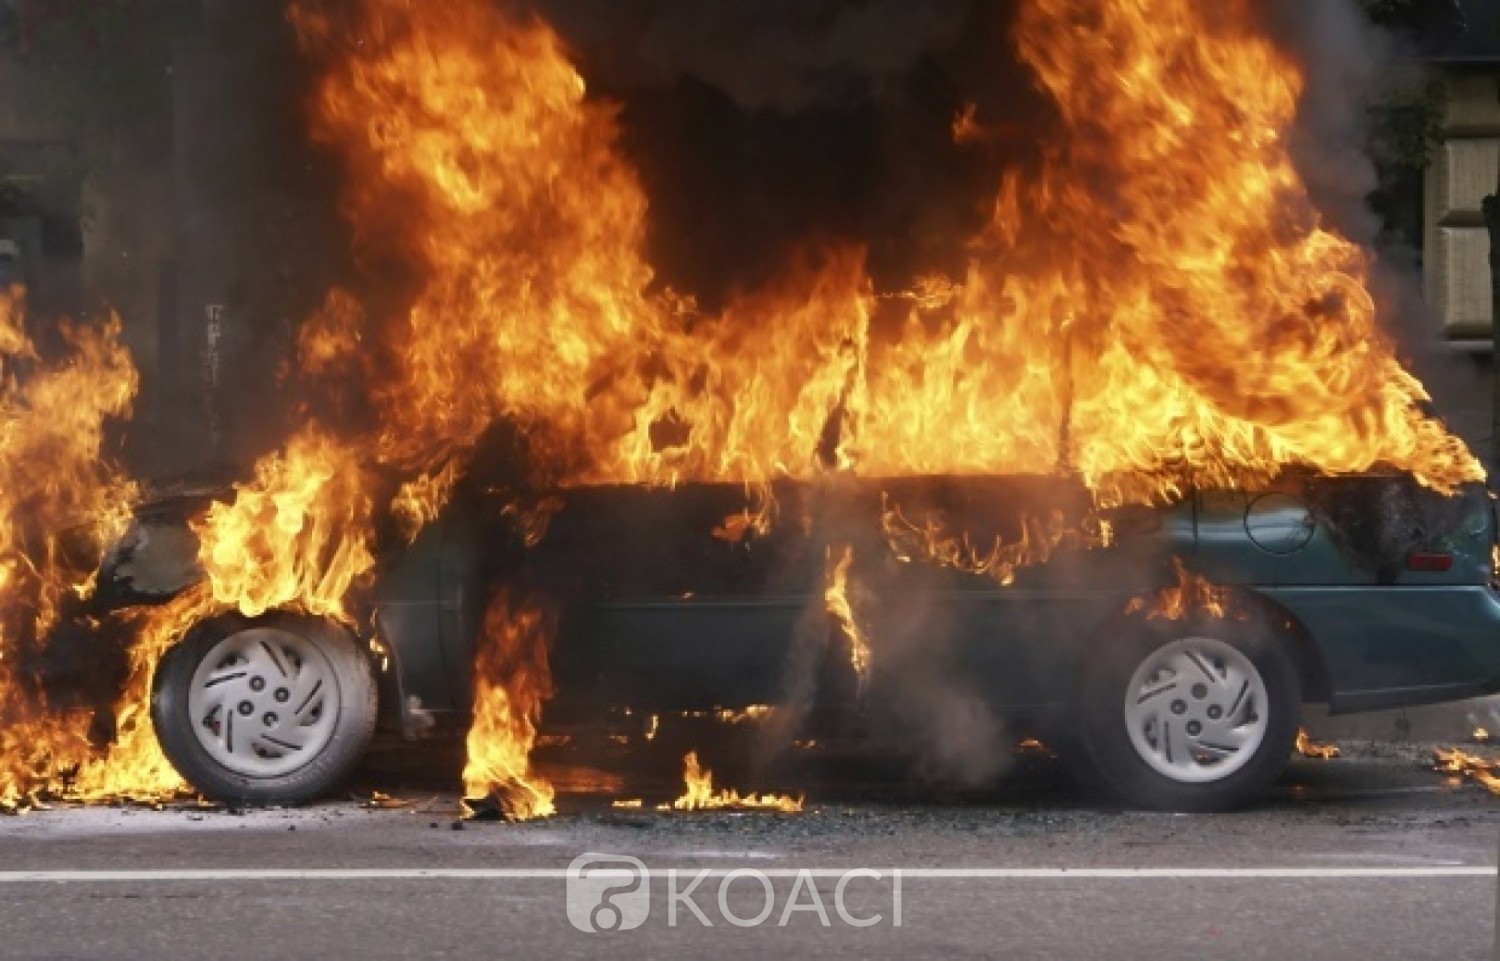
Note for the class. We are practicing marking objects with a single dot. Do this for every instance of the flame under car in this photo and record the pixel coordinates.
(1169, 648)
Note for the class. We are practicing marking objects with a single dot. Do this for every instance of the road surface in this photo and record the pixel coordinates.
(1365, 857)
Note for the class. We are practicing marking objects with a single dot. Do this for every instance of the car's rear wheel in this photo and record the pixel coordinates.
(274, 710)
(1191, 716)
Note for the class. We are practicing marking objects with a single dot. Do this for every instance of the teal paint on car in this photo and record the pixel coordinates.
(1362, 592)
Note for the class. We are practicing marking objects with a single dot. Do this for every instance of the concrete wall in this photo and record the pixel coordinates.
(114, 187)
(1465, 169)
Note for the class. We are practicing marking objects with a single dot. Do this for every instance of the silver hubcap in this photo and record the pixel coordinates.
(264, 702)
(1196, 710)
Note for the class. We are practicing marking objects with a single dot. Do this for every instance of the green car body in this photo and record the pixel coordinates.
(1168, 649)
(1382, 589)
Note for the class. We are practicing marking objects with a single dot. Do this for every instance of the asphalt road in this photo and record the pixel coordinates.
(1368, 857)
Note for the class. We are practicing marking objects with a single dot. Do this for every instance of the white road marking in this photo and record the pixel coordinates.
(511, 874)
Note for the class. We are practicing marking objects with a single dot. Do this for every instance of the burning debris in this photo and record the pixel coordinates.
(1459, 764)
(1031, 747)
(729, 715)
(1307, 747)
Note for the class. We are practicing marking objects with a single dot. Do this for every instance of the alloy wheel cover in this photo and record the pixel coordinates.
(264, 702)
(1196, 710)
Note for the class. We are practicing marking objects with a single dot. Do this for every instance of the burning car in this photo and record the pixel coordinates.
(1123, 451)
(1172, 654)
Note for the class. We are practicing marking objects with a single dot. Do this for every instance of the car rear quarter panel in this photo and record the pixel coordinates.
(1386, 635)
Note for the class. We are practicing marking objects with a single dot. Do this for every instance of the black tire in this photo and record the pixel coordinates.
(335, 721)
(1123, 767)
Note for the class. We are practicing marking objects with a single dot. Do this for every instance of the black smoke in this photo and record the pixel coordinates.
(763, 129)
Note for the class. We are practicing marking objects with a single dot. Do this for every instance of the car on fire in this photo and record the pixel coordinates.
(1174, 661)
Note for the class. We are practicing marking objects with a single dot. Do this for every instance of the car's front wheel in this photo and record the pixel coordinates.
(1191, 716)
(274, 710)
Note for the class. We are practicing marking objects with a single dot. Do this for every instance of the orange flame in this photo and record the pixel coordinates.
(699, 794)
(296, 536)
(61, 504)
(1227, 331)
(511, 681)
(134, 766)
(1309, 748)
(1209, 331)
(1158, 305)
(1461, 764)
(1206, 330)
(1194, 595)
(836, 601)
(930, 539)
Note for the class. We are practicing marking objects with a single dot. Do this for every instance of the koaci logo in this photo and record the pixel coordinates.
(612, 892)
(607, 892)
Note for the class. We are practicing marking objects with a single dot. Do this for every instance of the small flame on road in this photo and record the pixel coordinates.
(1459, 764)
(700, 796)
(1309, 748)
(511, 681)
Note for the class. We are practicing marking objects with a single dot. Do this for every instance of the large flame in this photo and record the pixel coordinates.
(133, 766)
(296, 536)
(511, 681)
(1157, 305)
(62, 504)
(1216, 329)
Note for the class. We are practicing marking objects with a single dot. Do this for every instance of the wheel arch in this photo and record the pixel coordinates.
(1298, 640)
(1281, 623)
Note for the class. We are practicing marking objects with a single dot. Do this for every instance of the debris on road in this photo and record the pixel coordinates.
(1460, 764)
(1309, 748)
